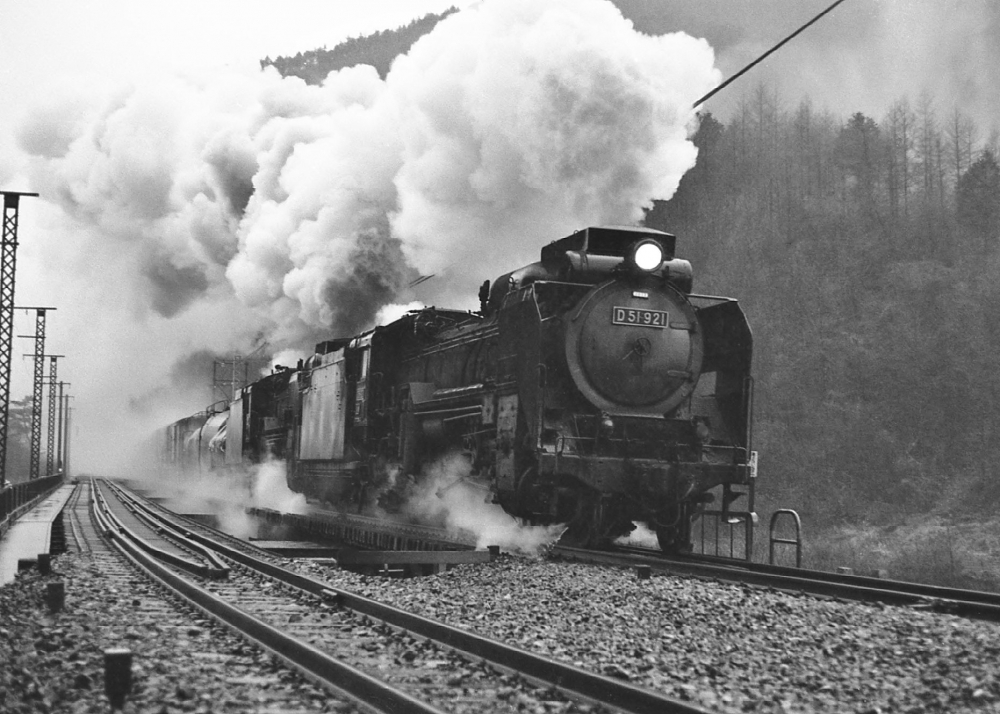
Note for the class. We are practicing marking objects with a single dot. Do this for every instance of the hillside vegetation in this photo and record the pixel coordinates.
(865, 251)
(377, 50)
(866, 254)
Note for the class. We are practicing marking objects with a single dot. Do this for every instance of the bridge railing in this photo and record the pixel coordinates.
(16, 498)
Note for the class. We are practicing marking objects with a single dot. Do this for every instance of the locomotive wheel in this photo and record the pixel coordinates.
(595, 524)
(671, 542)
(580, 534)
(675, 536)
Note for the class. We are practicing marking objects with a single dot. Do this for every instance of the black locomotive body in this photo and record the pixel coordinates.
(592, 388)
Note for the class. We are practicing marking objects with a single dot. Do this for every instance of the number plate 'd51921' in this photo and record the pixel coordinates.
(639, 317)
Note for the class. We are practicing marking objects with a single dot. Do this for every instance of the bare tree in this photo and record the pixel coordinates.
(900, 123)
(962, 134)
(926, 154)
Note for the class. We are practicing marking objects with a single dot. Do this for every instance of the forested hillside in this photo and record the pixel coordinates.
(866, 252)
(378, 50)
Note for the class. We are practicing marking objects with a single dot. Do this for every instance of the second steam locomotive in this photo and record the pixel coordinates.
(592, 388)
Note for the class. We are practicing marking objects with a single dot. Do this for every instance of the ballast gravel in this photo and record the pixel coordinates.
(726, 647)
(54, 662)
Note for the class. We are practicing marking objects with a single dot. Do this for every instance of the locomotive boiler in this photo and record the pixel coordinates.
(592, 388)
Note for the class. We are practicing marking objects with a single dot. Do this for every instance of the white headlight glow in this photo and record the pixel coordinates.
(648, 256)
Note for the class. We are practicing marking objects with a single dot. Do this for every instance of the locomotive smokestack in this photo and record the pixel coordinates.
(484, 295)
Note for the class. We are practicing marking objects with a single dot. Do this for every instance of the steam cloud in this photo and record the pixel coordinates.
(212, 211)
(445, 496)
(228, 496)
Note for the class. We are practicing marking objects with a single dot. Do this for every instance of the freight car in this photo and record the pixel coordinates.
(592, 388)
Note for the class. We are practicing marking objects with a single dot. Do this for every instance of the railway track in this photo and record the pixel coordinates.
(121, 607)
(964, 603)
(389, 659)
(84, 534)
(724, 648)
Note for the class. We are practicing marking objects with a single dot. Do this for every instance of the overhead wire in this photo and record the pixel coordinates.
(764, 56)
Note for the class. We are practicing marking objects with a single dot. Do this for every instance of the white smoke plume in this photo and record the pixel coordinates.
(447, 497)
(641, 536)
(202, 214)
(225, 494)
(390, 313)
(287, 358)
(269, 488)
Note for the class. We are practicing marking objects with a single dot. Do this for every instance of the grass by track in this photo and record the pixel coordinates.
(927, 549)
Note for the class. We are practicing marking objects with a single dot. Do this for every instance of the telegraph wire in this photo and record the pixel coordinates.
(763, 56)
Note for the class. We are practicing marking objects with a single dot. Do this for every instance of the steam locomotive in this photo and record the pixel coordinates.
(592, 388)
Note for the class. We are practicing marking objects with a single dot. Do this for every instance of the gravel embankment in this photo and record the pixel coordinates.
(728, 647)
(181, 662)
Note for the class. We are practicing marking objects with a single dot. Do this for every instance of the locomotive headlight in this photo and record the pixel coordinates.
(646, 256)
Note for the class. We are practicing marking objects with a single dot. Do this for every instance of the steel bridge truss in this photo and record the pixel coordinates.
(8, 265)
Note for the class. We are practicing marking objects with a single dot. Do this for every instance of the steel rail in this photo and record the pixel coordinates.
(312, 662)
(934, 592)
(120, 531)
(76, 528)
(217, 568)
(568, 678)
(964, 603)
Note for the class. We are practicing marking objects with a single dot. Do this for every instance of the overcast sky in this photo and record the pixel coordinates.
(47, 44)
(862, 56)
(121, 38)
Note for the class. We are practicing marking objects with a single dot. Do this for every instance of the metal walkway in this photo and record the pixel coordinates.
(32, 533)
